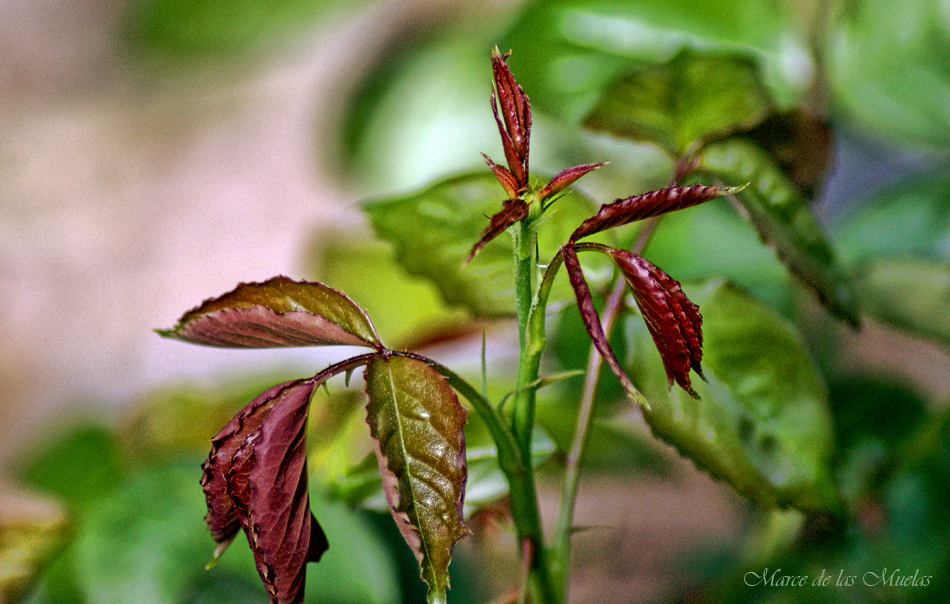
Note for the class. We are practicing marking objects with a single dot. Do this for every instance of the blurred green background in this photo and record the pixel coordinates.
(156, 153)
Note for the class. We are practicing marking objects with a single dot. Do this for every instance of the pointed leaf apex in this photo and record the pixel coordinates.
(733, 190)
(512, 211)
(638, 207)
(566, 178)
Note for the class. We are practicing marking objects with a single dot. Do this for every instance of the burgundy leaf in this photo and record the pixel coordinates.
(511, 212)
(514, 121)
(585, 304)
(277, 312)
(255, 478)
(673, 320)
(505, 177)
(566, 178)
(654, 203)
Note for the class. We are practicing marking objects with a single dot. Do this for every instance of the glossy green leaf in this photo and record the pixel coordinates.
(762, 422)
(910, 218)
(780, 214)
(278, 312)
(692, 99)
(416, 422)
(434, 229)
(909, 294)
(889, 69)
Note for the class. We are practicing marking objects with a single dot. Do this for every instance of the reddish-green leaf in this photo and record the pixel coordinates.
(512, 210)
(673, 321)
(277, 312)
(416, 422)
(255, 478)
(646, 205)
(585, 304)
(566, 178)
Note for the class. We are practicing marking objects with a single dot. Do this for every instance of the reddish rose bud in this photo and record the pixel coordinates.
(514, 120)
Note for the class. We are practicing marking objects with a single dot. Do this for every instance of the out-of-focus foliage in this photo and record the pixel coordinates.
(187, 29)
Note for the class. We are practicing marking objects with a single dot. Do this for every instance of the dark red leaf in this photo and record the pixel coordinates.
(511, 212)
(255, 478)
(505, 177)
(673, 320)
(566, 178)
(654, 203)
(277, 312)
(585, 304)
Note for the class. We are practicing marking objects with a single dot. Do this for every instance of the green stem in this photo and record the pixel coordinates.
(531, 341)
(561, 546)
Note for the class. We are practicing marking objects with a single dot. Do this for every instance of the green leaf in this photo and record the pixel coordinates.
(568, 52)
(416, 422)
(762, 422)
(79, 467)
(888, 68)
(434, 229)
(187, 28)
(910, 218)
(780, 214)
(277, 312)
(32, 530)
(910, 294)
(690, 100)
(408, 307)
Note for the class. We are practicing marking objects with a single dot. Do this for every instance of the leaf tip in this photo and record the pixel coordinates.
(733, 190)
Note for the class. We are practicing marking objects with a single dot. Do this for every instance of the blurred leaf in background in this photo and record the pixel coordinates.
(189, 29)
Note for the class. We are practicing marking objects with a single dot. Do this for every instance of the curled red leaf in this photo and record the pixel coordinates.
(673, 320)
(566, 178)
(255, 478)
(654, 203)
(591, 319)
(511, 212)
